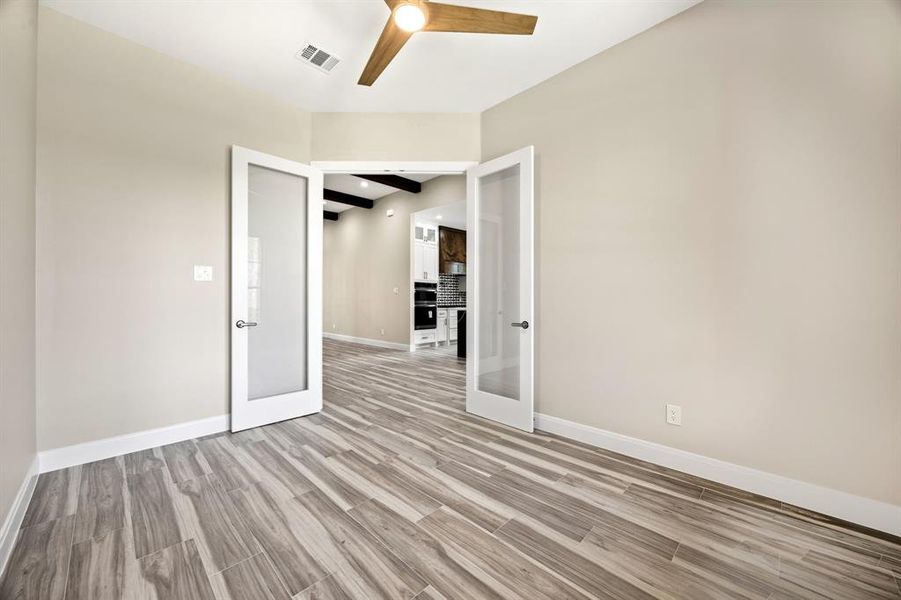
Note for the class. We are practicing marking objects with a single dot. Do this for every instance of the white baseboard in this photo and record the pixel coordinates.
(367, 341)
(16, 513)
(856, 509)
(79, 454)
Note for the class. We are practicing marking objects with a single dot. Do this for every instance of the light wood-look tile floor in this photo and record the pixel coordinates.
(394, 492)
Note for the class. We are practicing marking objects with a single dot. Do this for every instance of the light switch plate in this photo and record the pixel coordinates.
(203, 273)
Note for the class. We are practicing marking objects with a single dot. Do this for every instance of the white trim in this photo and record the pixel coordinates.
(367, 341)
(411, 301)
(79, 454)
(16, 514)
(375, 167)
(856, 509)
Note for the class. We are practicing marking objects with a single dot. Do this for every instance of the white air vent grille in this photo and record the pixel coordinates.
(314, 56)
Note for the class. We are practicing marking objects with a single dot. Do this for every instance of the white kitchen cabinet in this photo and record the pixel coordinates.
(425, 336)
(452, 316)
(442, 324)
(425, 252)
(430, 261)
(425, 233)
(419, 272)
(425, 262)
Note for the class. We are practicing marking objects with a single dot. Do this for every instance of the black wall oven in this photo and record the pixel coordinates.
(425, 305)
(425, 317)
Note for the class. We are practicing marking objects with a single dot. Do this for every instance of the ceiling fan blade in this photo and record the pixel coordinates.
(463, 19)
(390, 42)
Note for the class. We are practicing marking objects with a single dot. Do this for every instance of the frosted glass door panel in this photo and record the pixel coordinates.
(276, 282)
(499, 290)
(500, 332)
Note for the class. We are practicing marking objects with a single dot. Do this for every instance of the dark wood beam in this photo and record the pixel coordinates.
(336, 196)
(395, 181)
(329, 215)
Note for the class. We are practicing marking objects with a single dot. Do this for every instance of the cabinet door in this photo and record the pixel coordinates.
(443, 250)
(461, 247)
(442, 327)
(431, 262)
(419, 263)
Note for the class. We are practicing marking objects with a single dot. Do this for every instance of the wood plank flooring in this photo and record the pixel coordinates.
(393, 491)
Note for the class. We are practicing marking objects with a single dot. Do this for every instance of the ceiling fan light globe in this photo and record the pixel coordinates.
(409, 17)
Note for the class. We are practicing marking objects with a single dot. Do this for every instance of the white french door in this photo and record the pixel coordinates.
(276, 289)
(500, 274)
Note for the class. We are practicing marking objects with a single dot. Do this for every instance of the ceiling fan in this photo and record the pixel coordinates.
(409, 16)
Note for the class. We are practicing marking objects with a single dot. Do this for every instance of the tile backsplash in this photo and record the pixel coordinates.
(448, 294)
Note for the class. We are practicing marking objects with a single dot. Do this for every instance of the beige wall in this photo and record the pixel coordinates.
(367, 254)
(18, 64)
(395, 136)
(718, 211)
(132, 192)
(719, 201)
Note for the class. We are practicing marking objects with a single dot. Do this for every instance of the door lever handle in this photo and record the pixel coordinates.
(243, 324)
(524, 324)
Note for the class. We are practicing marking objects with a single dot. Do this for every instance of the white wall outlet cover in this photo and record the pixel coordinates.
(673, 414)
(389, 212)
(203, 273)
(396, 290)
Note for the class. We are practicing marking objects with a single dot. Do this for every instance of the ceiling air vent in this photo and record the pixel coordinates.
(317, 57)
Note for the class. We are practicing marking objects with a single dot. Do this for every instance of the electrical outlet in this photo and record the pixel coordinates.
(396, 291)
(334, 326)
(673, 414)
(382, 331)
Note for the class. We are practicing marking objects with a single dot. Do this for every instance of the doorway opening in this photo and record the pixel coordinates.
(438, 276)
(486, 218)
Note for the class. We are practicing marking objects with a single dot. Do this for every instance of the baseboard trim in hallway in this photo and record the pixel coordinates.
(367, 341)
(79, 454)
(841, 505)
(16, 513)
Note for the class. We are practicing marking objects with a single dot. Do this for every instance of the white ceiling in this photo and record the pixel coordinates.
(353, 185)
(254, 42)
(449, 215)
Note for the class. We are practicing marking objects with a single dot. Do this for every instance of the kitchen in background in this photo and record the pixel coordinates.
(439, 268)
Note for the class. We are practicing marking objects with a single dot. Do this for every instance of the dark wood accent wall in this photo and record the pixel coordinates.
(451, 247)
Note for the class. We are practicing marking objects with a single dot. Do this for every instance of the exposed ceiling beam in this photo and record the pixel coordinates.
(329, 215)
(395, 181)
(336, 196)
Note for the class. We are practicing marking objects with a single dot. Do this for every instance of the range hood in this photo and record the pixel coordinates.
(456, 268)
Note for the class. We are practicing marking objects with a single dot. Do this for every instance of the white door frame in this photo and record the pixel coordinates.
(515, 413)
(376, 167)
(247, 413)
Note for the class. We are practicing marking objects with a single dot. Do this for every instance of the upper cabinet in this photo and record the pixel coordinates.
(425, 252)
(426, 233)
(451, 248)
